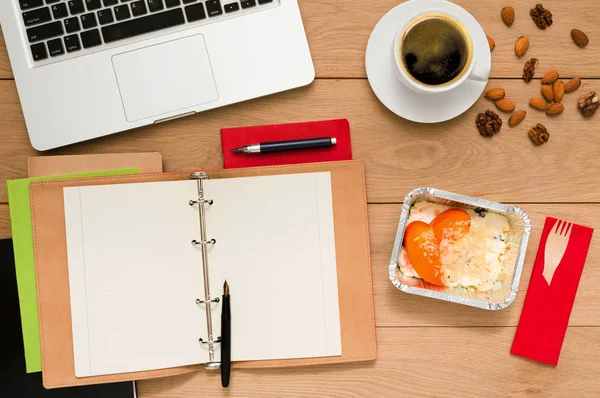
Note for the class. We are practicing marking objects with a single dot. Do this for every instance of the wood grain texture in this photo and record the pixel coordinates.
(395, 308)
(399, 155)
(416, 362)
(338, 33)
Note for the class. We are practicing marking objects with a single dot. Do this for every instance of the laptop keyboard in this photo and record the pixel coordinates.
(58, 27)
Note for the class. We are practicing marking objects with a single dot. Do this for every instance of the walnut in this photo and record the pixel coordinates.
(488, 123)
(539, 135)
(529, 69)
(541, 16)
(588, 104)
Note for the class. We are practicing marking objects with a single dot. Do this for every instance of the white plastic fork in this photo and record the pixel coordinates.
(556, 246)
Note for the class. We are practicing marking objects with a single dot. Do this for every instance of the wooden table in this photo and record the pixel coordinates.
(426, 347)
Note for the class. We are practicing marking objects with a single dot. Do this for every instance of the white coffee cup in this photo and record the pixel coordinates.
(470, 71)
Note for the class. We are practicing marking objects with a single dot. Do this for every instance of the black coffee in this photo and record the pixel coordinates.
(435, 50)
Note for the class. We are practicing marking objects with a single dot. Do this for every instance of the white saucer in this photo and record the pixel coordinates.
(400, 99)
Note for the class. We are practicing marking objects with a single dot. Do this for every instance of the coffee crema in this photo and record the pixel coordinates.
(435, 50)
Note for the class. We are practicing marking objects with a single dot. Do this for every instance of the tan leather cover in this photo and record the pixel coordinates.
(355, 286)
(41, 166)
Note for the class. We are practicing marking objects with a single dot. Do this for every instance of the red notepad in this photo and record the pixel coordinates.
(232, 138)
(547, 308)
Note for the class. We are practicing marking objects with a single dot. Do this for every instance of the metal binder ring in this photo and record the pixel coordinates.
(208, 201)
(215, 300)
(218, 340)
(204, 242)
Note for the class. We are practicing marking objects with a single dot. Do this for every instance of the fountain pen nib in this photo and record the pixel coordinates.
(225, 289)
(238, 150)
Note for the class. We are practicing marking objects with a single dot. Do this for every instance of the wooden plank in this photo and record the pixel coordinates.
(395, 308)
(4, 222)
(399, 155)
(415, 362)
(338, 36)
(5, 69)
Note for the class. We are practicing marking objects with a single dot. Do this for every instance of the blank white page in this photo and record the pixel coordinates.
(276, 249)
(134, 277)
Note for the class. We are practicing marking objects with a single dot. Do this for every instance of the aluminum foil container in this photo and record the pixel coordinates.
(518, 237)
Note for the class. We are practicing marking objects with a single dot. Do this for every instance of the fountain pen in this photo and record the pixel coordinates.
(225, 337)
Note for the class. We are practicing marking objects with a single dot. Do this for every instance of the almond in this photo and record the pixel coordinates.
(508, 15)
(491, 42)
(550, 77)
(516, 118)
(506, 105)
(555, 109)
(538, 103)
(558, 89)
(495, 94)
(521, 46)
(579, 38)
(547, 92)
(572, 85)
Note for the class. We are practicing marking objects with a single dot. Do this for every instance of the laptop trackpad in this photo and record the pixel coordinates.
(165, 78)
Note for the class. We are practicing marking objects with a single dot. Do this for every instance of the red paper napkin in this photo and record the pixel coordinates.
(232, 138)
(547, 308)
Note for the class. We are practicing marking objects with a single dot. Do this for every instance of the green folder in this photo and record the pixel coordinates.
(22, 234)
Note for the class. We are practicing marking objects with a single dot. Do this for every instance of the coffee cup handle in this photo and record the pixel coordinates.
(479, 74)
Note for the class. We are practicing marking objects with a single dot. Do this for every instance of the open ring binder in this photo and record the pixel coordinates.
(203, 243)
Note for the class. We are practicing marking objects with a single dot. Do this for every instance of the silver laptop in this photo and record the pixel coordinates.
(89, 68)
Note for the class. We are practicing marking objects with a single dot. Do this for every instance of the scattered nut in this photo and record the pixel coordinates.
(521, 46)
(550, 77)
(508, 15)
(516, 118)
(572, 85)
(506, 105)
(555, 109)
(541, 16)
(538, 103)
(529, 69)
(495, 94)
(588, 104)
(488, 123)
(547, 92)
(491, 43)
(558, 89)
(539, 135)
(579, 38)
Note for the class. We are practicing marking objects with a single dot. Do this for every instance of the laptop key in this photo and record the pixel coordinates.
(38, 52)
(232, 7)
(72, 43)
(195, 12)
(89, 21)
(55, 47)
(91, 38)
(155, 5)
(139, 8)
(248, 3)
(122, 12)
(172, 3)
(213, 8)
(138, 26)
(105, 16)
(34, 17)
(52, 1)
(108, 3)
(27, 4)
(72, 25)
(59, 11)
(264, 1)
(93, 4)
(43, 32)
(188, 1)
(76, 6)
